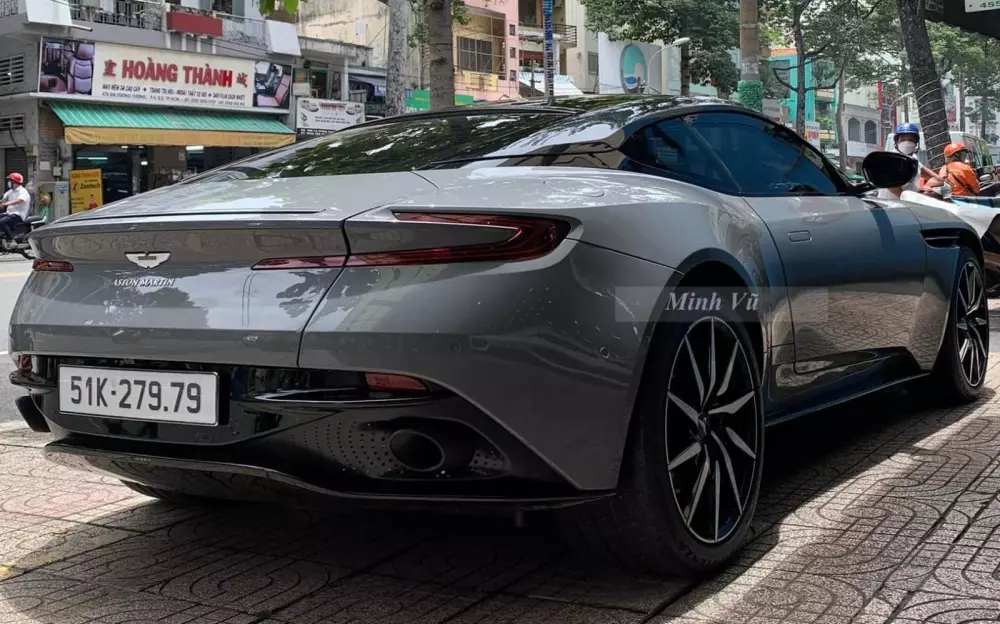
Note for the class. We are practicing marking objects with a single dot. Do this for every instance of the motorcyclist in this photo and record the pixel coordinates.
(16, 204)
(958, 171)
(907, 142)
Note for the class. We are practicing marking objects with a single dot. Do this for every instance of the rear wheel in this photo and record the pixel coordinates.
(960, 370)
(690, 483)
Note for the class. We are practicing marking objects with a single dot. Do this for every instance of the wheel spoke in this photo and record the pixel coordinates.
(697, 373)
(711, 361)
(962, 300)
(686, 455)
(735, 406)
(964, 349)
(699, 486)
(740, 444)
(731, 472)
(728, 376)
(718, 502)
(980, 347)
(689, 411)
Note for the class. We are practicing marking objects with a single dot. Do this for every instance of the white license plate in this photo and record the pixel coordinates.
(190, 398)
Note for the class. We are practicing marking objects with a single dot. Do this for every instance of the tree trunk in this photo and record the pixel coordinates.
(442, 58)
(750, 88)
(841, 136)
(395, 78)
(685, 69)
(925, 79)
(800, 74)
(986, 114)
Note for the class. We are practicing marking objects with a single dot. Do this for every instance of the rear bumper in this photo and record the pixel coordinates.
(546, 353)
(218, 479)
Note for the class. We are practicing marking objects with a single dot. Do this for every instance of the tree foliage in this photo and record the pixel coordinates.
(712, 25)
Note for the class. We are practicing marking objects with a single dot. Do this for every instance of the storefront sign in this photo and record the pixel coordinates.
(812, 132)
(85, 190)
(319, 117)
(145, 75)
(629, 66)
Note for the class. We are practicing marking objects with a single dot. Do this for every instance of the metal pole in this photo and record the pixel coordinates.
(550, 65)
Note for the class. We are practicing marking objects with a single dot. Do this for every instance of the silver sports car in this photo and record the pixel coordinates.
(594, 308)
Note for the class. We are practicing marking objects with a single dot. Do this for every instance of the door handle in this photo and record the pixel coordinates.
(800, 236)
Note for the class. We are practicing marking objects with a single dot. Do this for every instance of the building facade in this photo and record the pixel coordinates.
(116, 97)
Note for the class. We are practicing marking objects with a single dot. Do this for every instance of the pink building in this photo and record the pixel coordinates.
(486, 65)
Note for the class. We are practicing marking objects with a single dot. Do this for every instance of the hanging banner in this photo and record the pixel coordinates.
(86, 191)
(319, 117)
(129, 74)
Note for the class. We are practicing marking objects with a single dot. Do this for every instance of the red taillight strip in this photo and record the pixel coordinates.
(530, 238)
(53, 266)
(322, 262)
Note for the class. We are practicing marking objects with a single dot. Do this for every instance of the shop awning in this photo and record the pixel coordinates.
(98, 124)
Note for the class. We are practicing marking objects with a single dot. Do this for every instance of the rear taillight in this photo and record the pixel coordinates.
(385, 381)
(56, 266)
(325, 262)
(527, 238)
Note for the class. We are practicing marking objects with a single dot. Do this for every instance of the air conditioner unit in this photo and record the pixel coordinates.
(91, 3)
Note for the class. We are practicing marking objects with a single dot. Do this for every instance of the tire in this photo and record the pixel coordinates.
(171, 496)
(644, 525)
(960, 371)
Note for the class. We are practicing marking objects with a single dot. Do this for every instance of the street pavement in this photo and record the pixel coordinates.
(882, 511)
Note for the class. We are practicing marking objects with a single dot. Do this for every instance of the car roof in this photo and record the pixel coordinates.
(581, 122)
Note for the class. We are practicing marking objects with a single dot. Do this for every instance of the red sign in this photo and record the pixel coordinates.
(194, 24)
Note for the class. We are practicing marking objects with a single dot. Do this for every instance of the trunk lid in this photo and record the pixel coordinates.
(168, 275)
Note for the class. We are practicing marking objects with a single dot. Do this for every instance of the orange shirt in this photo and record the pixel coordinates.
(963, 179)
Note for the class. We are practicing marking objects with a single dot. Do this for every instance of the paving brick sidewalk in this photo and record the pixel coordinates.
(874, 513)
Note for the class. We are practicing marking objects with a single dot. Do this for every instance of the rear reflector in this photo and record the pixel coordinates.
(57, 266)
(381, 381)
(528, 238)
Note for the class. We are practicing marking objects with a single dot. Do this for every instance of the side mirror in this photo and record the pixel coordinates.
(889, 170)
(986, 179)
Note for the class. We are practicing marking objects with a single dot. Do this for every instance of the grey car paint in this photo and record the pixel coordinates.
(566, 333)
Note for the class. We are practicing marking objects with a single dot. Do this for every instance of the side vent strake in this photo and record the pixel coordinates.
(942, 238)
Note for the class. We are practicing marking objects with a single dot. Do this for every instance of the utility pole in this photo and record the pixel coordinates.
(550, 62)
(750, 88)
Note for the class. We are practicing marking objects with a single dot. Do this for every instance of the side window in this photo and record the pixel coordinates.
(768, 160)
(672, 149)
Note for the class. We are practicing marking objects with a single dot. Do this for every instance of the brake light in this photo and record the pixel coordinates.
(528, 238)
(55, 266)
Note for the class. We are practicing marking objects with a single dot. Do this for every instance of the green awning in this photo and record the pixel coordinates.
(100, 124)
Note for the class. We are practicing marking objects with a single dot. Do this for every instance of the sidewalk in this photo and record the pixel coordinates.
(890, 514)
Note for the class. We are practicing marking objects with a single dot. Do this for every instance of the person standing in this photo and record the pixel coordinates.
(16, 203)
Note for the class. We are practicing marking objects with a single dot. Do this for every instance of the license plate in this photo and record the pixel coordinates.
(189, 398)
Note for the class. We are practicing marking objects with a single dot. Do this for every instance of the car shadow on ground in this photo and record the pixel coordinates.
(851, 497)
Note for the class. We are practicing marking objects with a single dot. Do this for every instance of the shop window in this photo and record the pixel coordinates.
(528, 13)
(853, 130)
(871, 133)
(481, 45)
(11, 70)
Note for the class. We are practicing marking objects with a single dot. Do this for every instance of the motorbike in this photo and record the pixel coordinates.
(20, 234)
(982, 214)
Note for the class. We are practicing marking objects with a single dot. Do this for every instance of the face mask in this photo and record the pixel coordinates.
(907, 147)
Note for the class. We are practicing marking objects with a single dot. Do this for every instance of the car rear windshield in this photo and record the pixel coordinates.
(404, 145)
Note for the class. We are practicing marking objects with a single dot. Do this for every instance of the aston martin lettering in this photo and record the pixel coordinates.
(143, 282)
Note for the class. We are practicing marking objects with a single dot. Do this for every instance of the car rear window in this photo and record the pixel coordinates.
(402, 145)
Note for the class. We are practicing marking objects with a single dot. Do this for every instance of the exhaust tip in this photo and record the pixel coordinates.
(31, 414)
(416, 451)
